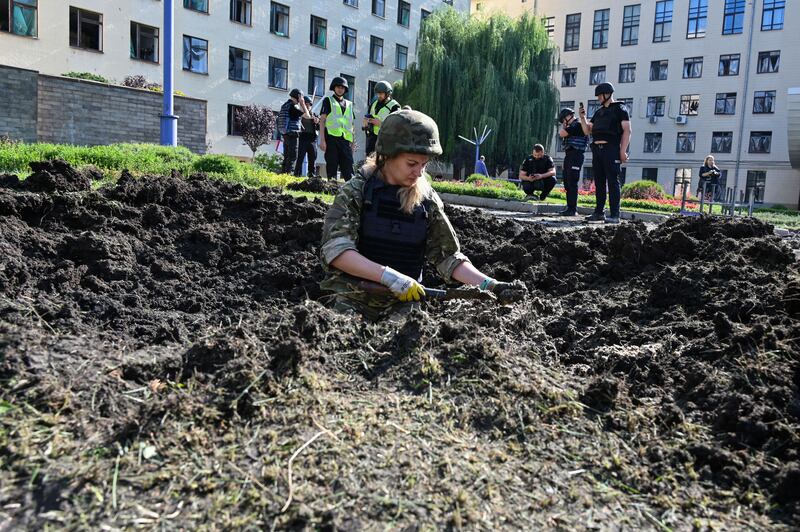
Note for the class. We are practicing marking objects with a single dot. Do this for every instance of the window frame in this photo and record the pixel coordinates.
(596, 70)
(248, 12)
(760, 134)
(373, 41)
(764, 96)
(600, 28)
(567, 71)
(351, 90)
(187, 4)
(189, 68)
(79, 30)
(232, 130)
(755, 177)
(403, 7)
(397, 48)
(689, 105)
(665, 10)
(733, 12)
(572, 32)
(773, 7)
(312, 71)
(630, 24)
(690, 62)
(276, 14)
(351, 3)
(314, 26)
(135, 41)
(345, 37)
(730, 58)
(649, 144)
(22, 5)
(648, 170)
(729, 99)
(698, 12)
(690, 138)
(727, 136)
(274, 64)
(374, 5)
(768, 54)
(231, 65)
(659, 63)
(659, 106)
(627, 68)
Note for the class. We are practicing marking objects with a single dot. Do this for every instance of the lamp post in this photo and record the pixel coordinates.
(169, 122)
(478, 141)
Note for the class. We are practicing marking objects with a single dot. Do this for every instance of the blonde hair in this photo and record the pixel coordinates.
(705, 162)
(410, 197)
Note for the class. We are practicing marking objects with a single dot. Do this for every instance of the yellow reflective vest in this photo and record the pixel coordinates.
(340, 123)
(387, 109)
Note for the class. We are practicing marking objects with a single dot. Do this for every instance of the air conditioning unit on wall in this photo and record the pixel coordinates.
(680, 119)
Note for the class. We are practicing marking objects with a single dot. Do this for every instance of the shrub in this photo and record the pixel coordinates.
(643, 190)
(86, 75)
(216, 164)
(480, 180)
(269, 161)
(140, 82)
(468, 189)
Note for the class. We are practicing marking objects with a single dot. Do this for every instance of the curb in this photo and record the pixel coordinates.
(538, 208)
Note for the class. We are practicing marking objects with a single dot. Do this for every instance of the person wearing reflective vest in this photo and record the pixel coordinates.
(387, 223)
(337, 130)
(381, 107)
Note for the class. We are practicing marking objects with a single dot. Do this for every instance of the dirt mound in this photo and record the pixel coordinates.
(315, 184)
(164, 345)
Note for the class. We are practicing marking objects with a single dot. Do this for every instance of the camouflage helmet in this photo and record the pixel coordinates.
(383, 86)
(408, 132)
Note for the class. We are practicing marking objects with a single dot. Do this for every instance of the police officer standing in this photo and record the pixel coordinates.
(308, 139)
(381, 107)
(610, 128)
(289, 125)
(574, 143)
(337, 130)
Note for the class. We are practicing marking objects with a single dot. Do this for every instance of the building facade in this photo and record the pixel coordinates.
(227, 52)
(700, 77)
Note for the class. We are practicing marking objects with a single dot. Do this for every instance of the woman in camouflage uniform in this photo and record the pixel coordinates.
(387, 222)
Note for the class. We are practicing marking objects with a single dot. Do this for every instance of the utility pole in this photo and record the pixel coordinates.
(478, 141)
(169, 122)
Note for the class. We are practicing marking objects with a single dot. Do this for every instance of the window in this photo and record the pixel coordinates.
(195, 54)
(650, 174)
(401, 57)
(627, 72)
(403, 13)
(379, 8)
(85, 29)
(772, 16)
(351, 90)
(729, 65)
(196, 5)
(279, 19)
(566, 103)
(627, 102)
(630, 25)
(423, 14)
(658, 70)
(698, 19)
(238, 64)
(733, 20)
(278, 73)
(349, 41)
(316, 81)
(656, 105)
(144, 42)
(692, 67)
(597, 75)
(319, 32)
(769, 62)
(370, 90)
(375, 50)
(569, 77)
(689, 104)
(591, 107)
(242, 11)
(725, 103)
(572, 35)
(549, 25)
(588, 178)
(721, 141)
(683, 181)
(685, 142)
(19, 17)
(652, 143)
(756, 182)
(600, 30)
(234, 127)
(351, 3)
(662, 30)
(764, 102)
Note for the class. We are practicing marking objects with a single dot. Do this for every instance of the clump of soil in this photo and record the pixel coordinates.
(315, 184)
(166, 357)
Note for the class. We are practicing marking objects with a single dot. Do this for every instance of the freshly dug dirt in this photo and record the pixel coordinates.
(168, 360)
(315, 184)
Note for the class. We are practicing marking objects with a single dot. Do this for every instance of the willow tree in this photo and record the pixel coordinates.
(495, 71)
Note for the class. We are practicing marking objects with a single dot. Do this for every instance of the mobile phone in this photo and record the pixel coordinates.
(580, 104)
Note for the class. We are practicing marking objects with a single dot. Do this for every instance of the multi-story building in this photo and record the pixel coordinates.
(228, 52)
(700, 77)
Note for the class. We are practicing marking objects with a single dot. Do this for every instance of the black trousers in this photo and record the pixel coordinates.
(573, 161)
(339, 156)
(371, 140)
(545, 185)
(605, 162)
(290, 142)
(307, 147)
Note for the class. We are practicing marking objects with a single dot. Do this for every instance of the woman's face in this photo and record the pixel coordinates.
(710, 161)
(405, 169)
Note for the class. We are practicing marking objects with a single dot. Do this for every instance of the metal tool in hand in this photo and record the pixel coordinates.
(432, 293)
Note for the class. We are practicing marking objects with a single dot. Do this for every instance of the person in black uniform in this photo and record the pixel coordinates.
(574, 143)
(538, 172)
(709, 178)
(610, 128)
(308, 139)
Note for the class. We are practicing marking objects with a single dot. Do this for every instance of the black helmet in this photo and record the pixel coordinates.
(296, 93)
(604, 88)
(339, 82)
(383, 86)
(565, 112)
(307, 100)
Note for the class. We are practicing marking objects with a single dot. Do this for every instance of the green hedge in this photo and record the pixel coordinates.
(467, 189)
(643, 190)
(86, 75)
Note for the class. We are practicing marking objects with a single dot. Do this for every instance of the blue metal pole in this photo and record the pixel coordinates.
(169, 122)
(477, 153)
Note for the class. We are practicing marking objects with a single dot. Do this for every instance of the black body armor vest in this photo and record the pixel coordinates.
(388, 235)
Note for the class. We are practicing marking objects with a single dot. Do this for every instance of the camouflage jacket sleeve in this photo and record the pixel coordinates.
(443, 249)
(342, 221)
